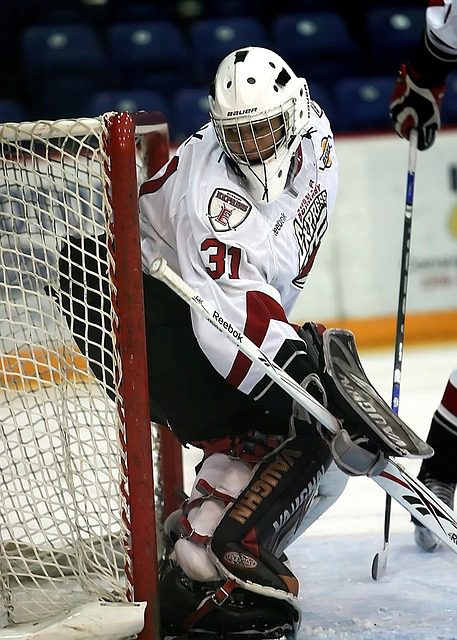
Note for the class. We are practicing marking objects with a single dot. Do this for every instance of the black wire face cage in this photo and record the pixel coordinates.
(253, 140)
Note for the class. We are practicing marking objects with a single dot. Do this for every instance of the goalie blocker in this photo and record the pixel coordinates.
(362, 408)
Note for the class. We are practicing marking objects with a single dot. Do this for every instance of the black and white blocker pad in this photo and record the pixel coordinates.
(363, 409)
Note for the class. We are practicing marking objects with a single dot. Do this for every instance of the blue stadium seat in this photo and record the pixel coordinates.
(363, 103)
(318, 46)
(232, 8)
(133, 11)
(298, 6)
(149, 55)
(189, 112)
(392, 33)
(129, 100)
(449, 106)
(62, 65)
(47, 12)
(12, 111)
(213, 39)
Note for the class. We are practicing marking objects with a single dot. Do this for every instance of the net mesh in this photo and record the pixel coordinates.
(63, 488)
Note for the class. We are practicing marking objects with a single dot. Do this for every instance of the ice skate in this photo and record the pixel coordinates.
(424, 538)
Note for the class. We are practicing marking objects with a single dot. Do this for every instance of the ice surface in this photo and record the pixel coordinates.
(417, 597)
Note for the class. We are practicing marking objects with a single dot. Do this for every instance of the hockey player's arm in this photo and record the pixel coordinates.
(421, 83)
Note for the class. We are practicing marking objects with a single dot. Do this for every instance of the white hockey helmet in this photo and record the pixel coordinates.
(258, 108)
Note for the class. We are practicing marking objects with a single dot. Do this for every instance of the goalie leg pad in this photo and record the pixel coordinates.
(330, 489)
(266, 516)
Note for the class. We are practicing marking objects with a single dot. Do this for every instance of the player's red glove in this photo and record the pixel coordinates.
(417, 107)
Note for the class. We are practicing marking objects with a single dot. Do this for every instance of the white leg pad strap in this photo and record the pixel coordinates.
(226, 476)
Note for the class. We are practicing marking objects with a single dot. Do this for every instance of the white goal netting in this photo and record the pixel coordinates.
(64, 489)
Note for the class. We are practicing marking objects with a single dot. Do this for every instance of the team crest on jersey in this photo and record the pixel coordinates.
(325, 161)
(227, 210)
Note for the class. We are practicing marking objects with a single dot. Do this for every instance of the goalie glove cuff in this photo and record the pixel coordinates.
(353, 458)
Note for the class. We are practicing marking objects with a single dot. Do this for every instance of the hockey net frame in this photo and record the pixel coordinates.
(82, 480)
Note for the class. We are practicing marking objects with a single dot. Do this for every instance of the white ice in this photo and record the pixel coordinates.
(417, 597)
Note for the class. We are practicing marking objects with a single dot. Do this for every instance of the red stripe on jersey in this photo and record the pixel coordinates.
(298, 163)
(260, 309)
(151, 186)
(306, 268)
(449, 400)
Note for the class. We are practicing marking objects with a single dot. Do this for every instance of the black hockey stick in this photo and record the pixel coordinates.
(379, 563)
(408, 491)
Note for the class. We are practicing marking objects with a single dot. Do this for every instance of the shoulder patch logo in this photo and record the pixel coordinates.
(325, 161)
(227, 210)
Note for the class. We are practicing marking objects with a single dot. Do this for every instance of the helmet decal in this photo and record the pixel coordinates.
(283, 78)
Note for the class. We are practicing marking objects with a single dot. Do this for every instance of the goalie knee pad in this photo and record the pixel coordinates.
(219, 481)
(195, 596)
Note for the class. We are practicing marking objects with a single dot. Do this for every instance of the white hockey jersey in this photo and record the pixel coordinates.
(249, 260)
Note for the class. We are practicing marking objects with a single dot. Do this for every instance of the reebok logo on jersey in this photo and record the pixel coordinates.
(279, 223)
(227, 210)
(217, 318)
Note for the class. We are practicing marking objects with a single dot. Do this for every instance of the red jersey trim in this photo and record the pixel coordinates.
(260, 309)
(153, 185)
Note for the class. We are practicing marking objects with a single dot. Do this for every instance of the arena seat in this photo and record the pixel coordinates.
(392, 33)
(449, 106)
(126, 100)
(363, 103)
(318, 46)
(212, 39)
(12, 111)
(62, 64)
(189, 112)
(148, 55)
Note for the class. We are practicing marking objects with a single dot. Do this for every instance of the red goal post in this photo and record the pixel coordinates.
(81, 477)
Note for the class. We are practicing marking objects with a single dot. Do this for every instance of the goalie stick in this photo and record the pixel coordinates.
(409, 492)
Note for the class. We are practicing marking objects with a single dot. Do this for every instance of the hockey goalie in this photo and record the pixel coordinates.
(239, 213)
